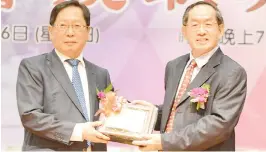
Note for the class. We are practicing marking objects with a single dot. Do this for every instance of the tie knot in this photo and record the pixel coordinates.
(193, 64)
(73, 62)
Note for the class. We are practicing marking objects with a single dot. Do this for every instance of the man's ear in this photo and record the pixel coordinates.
(221, 29)
(50, 30)
(88, 30)
(184, 32)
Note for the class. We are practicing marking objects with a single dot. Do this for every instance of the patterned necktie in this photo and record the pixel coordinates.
(76, 82)
(184, 85)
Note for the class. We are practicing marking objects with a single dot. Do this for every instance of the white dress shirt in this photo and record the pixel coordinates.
(77, 132)
(201, 61)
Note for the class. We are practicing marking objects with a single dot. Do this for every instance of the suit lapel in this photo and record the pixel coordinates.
(205, 73)
(92, 87)
(59, 72)
(201, 77)
(177, 74)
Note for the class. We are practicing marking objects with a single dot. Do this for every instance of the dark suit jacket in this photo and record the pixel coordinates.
(48, 105)
(211, 128)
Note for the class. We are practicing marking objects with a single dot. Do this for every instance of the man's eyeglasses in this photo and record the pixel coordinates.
(75, 27)
(206, 26)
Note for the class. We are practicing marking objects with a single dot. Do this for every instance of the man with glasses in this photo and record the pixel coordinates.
(56, 91)
(205, 90)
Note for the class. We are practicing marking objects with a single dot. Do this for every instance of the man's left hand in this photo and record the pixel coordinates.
(149, 143)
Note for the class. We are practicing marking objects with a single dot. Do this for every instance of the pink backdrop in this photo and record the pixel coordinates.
(134, 39)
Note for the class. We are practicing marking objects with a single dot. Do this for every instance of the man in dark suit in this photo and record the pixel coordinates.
(56, 91)
(205, 120)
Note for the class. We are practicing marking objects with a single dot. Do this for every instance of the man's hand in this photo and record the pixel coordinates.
(149, 142)
(89, 133)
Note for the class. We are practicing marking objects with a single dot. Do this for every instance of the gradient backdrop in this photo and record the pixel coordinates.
(134, 39)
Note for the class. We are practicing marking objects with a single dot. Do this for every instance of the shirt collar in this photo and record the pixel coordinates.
(63, 57)
(203, 59)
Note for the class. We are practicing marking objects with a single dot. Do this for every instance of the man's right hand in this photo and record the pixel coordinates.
(91, 134)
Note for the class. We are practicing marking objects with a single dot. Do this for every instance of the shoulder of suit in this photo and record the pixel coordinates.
(34, 60)
(97, 67)
(176, 60)
(228, 62)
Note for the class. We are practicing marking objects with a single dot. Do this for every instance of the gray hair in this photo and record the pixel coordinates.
(219, 17)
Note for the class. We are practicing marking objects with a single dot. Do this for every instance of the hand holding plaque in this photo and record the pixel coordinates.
(125, 122)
